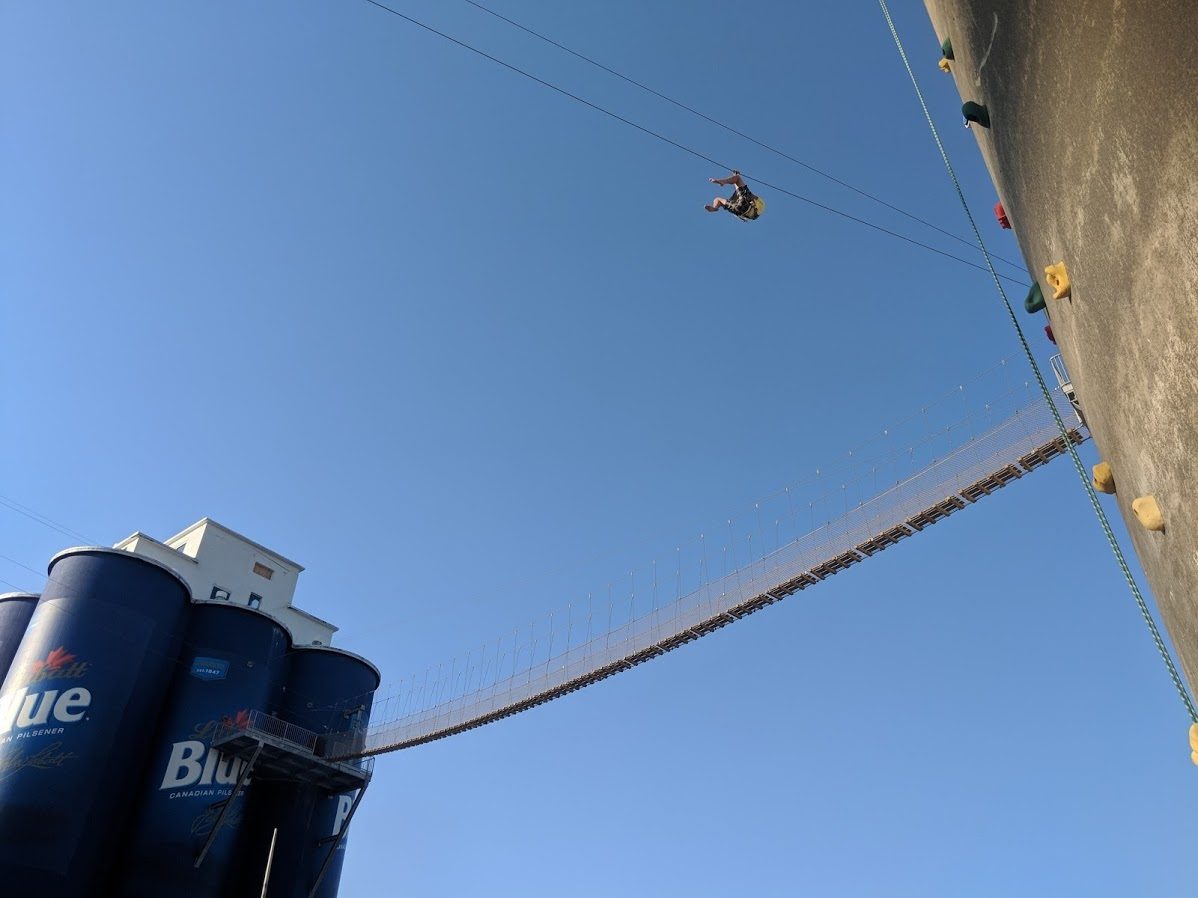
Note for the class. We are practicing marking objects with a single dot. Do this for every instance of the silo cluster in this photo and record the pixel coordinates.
(116, 682)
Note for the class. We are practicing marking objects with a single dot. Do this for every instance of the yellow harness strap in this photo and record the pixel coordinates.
(753, 211)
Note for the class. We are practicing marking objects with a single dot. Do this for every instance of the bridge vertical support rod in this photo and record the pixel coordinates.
(224, 812)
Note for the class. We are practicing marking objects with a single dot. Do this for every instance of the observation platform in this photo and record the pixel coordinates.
(280, 750)
(276, 749)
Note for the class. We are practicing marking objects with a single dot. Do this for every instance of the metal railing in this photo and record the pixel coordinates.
(1058, 368)
(1065, 382)
(328, 746)
(257, 723)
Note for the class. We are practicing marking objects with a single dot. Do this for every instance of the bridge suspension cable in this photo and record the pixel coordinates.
(963, 464)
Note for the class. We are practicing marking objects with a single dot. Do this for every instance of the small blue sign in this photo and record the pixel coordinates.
(209, 668)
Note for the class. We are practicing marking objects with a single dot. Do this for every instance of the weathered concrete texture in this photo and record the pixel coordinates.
(1093, 148)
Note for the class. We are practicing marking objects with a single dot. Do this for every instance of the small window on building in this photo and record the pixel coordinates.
(255, 600)
(262, 570)
(219, 595)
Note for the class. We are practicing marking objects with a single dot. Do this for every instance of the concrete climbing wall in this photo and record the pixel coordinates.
(1093, 149)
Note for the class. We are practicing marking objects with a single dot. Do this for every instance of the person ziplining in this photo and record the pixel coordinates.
(743, 203)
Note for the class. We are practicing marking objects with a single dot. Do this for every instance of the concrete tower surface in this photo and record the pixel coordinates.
(1093, 148)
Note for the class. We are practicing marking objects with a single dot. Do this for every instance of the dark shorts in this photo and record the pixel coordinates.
(741, 204)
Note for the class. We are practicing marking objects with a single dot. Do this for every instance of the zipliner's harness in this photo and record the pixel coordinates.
(744, 204)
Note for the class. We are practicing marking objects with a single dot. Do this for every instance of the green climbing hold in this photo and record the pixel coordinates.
(975, 112)
(1035, 299)
(947, 48)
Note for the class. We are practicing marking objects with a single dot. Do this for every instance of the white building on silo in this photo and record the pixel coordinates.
(220, 564)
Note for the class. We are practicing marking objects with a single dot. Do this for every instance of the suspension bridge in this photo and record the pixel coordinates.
(972, 466)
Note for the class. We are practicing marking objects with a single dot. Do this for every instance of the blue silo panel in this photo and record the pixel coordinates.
(234, 660)
(77, 710)
(329, 691)
(15, 610)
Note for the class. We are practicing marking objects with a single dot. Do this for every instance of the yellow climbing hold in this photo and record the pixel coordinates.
(1194, 742)
(1148, 513)
(1058, 279)
(1104, 480)
(945, 65)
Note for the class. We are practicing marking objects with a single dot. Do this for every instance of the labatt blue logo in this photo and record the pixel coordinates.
(194, 766)
(31, 711)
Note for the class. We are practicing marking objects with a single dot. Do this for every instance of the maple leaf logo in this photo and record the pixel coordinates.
(55, 661)
(239, 721)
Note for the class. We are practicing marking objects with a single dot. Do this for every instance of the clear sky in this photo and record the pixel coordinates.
(468, 350)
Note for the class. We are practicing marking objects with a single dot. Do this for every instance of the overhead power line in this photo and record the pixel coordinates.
(684, 148)
(42, 519)
(731, 130)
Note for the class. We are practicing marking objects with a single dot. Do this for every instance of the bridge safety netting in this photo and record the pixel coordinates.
(971, 460)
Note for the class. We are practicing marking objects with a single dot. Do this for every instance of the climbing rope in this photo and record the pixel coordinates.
(1031, 359)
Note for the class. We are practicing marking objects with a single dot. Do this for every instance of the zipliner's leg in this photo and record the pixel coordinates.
(716, 203)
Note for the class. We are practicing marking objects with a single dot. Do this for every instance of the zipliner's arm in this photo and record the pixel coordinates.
(732, 179)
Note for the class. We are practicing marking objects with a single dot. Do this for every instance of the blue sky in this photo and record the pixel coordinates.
(468, 350)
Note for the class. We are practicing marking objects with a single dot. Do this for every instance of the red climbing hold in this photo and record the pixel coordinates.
(1048, 333)
(1001, 214)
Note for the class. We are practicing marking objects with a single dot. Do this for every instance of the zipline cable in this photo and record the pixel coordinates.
(680, 146)
(738, 133)
(1105, 524)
